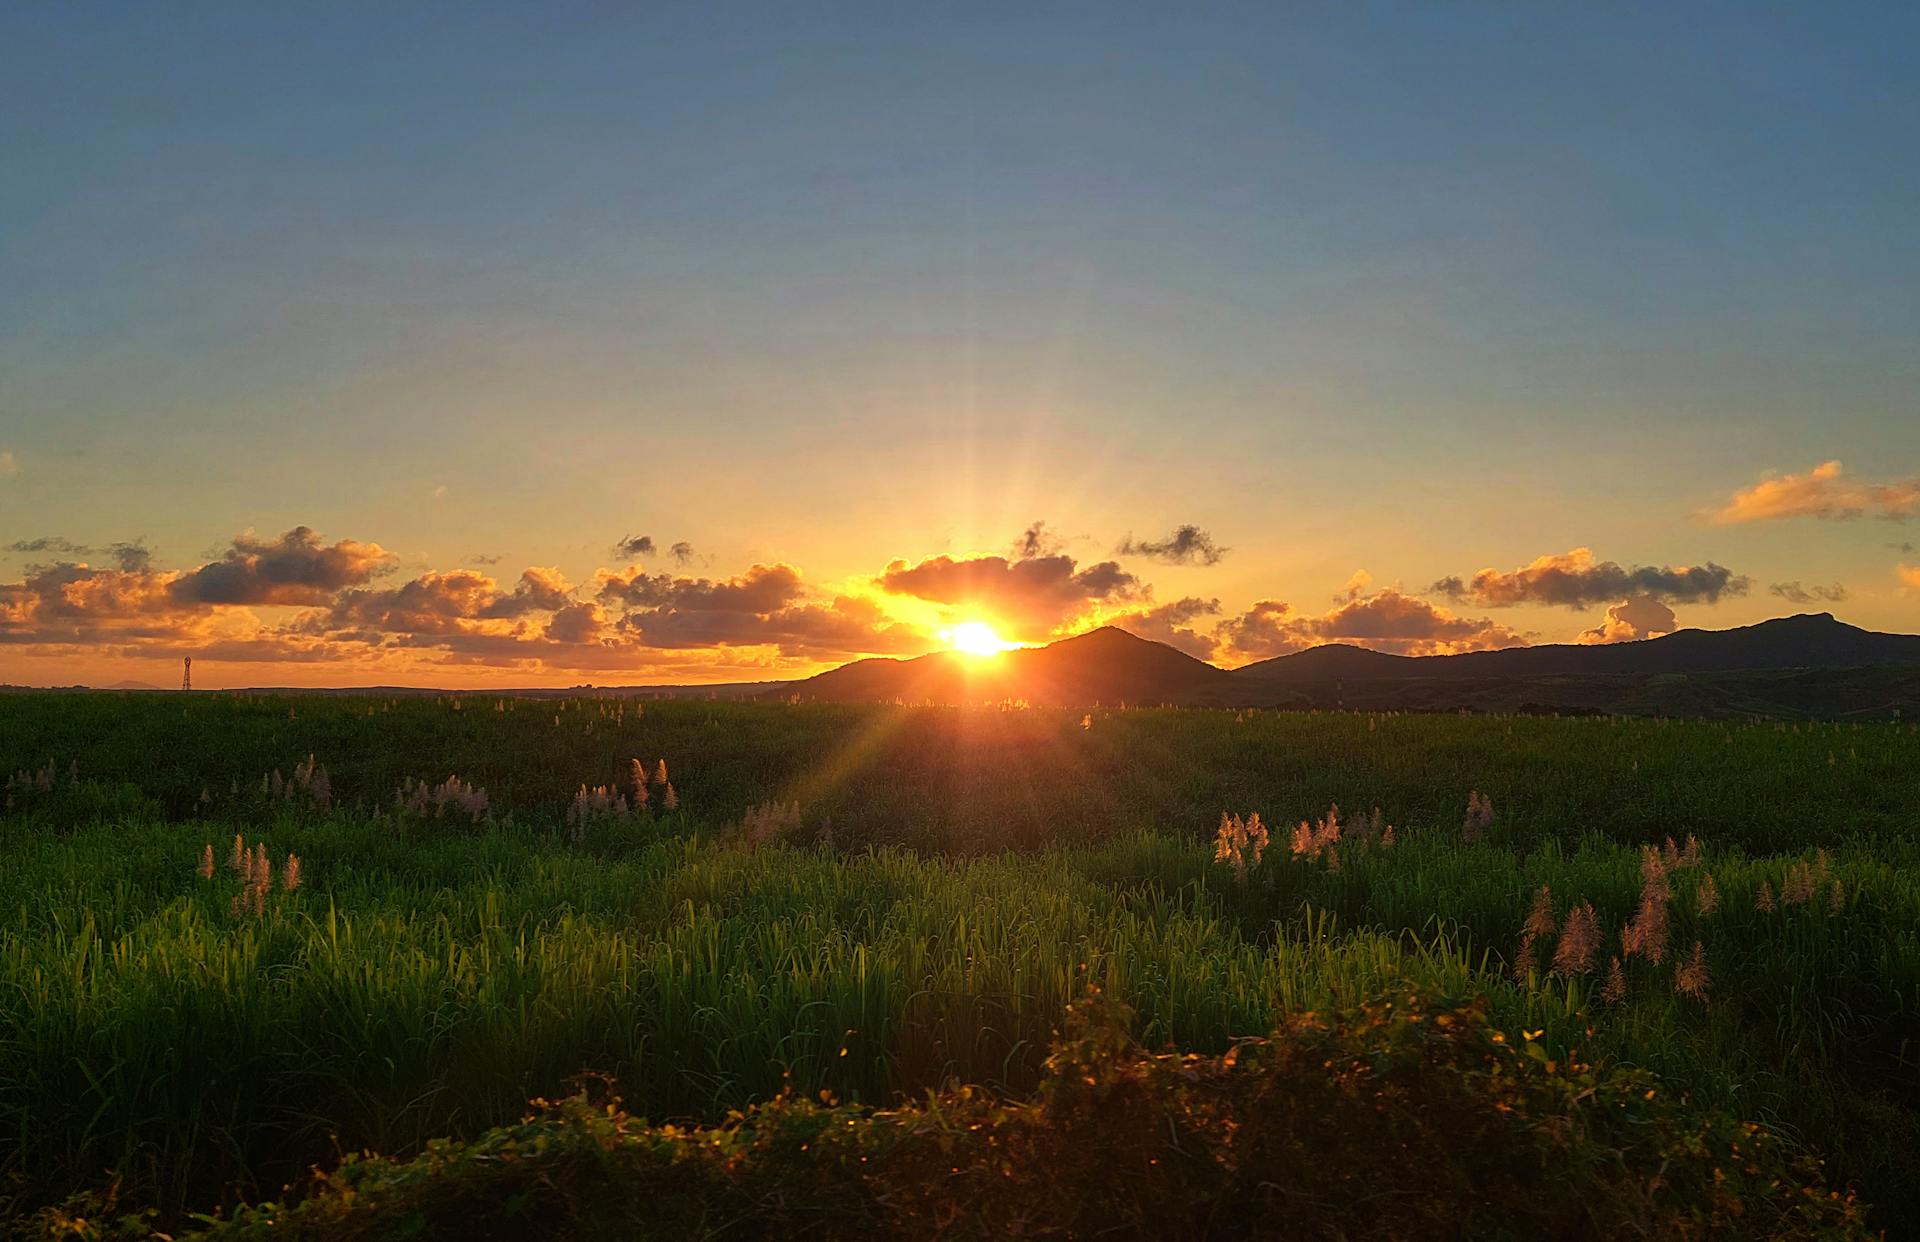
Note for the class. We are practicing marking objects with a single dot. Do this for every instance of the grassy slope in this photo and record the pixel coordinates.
(428, 982)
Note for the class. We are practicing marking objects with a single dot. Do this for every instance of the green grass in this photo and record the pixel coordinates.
(985, 869)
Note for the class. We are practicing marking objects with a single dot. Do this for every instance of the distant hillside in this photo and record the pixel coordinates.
(1105, 666)
(712, 690)
(1807, 666)
(1795, 667)
(1811, 640)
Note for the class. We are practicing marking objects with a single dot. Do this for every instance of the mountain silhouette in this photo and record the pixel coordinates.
(1807, 665)
(1809, 640)
(1103, 666)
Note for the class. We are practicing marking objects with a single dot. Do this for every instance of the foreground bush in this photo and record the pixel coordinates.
(1409, 1118)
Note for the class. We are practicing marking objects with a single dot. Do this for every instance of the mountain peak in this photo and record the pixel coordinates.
(1103, 636)
(1104, 665)
(1110, 665)
(1804, 620)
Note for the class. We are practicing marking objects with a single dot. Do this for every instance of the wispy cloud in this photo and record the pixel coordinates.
(1187, 545)
(1575, 580)
(1037, 540)
(633, 547)
(131, 554)
(50, 545)
(1794, 593)
(1823, 492)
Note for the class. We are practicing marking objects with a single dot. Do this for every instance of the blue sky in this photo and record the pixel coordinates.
(1411, 289)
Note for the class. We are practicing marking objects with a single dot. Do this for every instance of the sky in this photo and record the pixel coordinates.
(529, 345)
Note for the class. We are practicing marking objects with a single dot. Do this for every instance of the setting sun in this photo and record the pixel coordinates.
(978, 639)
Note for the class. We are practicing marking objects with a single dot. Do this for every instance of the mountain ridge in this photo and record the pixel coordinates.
(1102, 666)
(1804, 640)
(1728, 671)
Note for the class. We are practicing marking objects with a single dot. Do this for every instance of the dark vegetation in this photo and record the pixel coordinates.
(946, 885)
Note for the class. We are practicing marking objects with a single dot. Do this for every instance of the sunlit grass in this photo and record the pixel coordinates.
(425, 975)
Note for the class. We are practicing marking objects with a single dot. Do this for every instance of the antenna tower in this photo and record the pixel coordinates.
(186, 673)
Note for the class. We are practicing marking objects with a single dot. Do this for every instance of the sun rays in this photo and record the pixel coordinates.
(976, 638)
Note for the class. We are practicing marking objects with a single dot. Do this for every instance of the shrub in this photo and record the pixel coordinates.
(1410, 1117)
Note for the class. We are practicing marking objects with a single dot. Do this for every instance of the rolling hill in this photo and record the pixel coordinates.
(1803, 666)
(1810, 640)
(1104, 666)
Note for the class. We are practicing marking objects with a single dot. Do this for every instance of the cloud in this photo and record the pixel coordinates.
(851, 625)
(484, 558)
(1823, 492)
(73, 591)
(1631, 620)
(624, 620)
(1793, 592)
(1187, 545)
(134, 556)
(1575, 580)
(1387, 620)
(457, 603)
(1032, 598)
(9, 464)
(131, 555)
(433, 603)
(1909, 575)
(539, 590)
(582, 621)
(762, 589)
(53, 544)
(1037, 540)
(633, 547)
(70, 604)
(1172, 624)
(767, 605)
(293, 569)
(681, 552)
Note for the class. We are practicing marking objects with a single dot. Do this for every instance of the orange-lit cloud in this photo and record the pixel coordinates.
(628, 614)
(76, 603)
(1822, 492)
(1172, 624)
(623, 620)
(303, 601)
(1909, 575)
(1631, 620)
(293, 569)
(743, 612)
(1030, 598)
(1574, 580)
(1386, 620)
